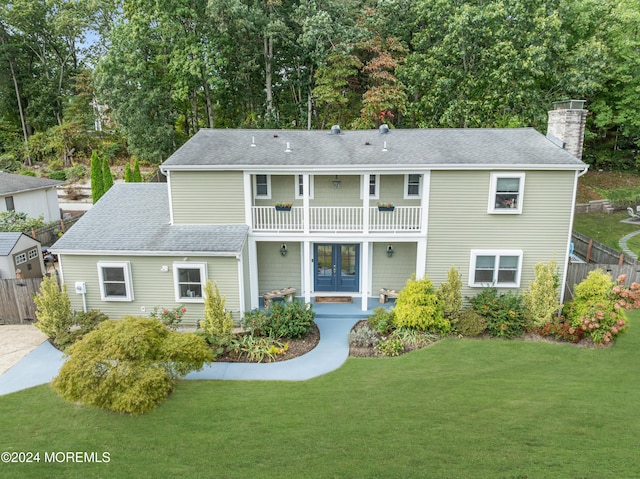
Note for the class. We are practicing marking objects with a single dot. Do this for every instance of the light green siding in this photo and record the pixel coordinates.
(392, 273)
(276, 271)
(459, 222)
(325, 194)
(207, 197)
(151, 286)
(283, 189)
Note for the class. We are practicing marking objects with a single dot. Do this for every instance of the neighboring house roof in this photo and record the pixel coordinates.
(410, 148)
(8, 240)
(11, 184)
(133, 218)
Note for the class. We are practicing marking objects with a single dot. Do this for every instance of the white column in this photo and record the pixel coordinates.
(241, 284)
(421, 258)
(254, 290)
(247, 199)
(364, 270)
(365, 202)
(305, 201)
(307, 267)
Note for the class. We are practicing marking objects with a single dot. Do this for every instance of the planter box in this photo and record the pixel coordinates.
(283, 208)
(386, 208)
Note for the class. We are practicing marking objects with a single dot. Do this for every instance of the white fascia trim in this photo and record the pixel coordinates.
(374, 168)
(226, 254)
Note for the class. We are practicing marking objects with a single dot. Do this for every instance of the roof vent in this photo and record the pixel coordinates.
(384, 128)
(335, 130)
(288, 150)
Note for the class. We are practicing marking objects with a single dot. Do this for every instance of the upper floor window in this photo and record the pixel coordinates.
(299, 187)
(505, 194)
(262, 186)
(115, 281)
(8, 201)
(500, 268)
(373, 188)
(189, 281)
(412, 186)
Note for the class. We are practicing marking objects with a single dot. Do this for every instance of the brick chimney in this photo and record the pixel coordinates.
(566, 125)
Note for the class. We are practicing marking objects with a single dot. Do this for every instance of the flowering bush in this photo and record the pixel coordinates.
(598, 309)
(170, 317)
(562, 330)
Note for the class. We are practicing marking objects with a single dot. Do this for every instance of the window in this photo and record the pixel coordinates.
(299, 189)
(500, 268)
(20, 258)
(9, 203)
(189, 280)
(505, 196)
(262, 186)
(33, 253)
(115, 281)
(412, 186)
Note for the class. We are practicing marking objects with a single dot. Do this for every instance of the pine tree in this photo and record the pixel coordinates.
(107, 177)
(137, 176)
(128, 174)
(97, 187)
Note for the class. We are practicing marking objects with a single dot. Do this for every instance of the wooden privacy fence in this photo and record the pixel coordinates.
(16, 300)
(595, 252)
(47, 235)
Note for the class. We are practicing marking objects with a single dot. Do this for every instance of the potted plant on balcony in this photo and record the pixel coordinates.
(283, 206)
(385, 206)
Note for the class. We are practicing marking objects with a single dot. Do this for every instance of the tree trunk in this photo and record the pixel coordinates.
(17, 89)
(194, 110)
(207, 97)
(268, 59)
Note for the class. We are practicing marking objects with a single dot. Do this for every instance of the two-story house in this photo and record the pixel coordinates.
(329, 213)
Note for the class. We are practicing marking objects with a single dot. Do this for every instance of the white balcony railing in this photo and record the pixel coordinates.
(337, 218)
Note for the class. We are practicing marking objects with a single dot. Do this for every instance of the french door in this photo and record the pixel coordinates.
(337, 267)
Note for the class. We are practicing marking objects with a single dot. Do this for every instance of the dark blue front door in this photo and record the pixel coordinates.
(337, 267)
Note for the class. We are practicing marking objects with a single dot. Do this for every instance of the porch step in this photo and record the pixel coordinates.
(339, 316)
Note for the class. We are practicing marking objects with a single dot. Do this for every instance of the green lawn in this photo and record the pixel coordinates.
(457, 409)
(606, 229)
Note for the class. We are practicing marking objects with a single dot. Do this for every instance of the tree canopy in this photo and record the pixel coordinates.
(156, 71)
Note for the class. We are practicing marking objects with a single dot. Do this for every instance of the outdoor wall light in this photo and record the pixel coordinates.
(283, 249)
(389, 250)
(164, 268)
(336, 182)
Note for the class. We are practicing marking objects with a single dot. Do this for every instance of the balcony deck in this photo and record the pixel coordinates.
(407, 219)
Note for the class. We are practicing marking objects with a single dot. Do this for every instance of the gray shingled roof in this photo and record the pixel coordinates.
(7, 241)
(411, 148)
(11, 184)
(134, 218)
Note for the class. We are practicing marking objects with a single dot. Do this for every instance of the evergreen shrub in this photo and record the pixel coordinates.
(504, 313)
(418, 307)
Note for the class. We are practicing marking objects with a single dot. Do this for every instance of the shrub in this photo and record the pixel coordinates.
(257, 348)
(58, 175)
(541, 300)
(390, 347)
(450, 294)
(599, 304)
(217, 326)
(110, 370)
(85, 322)
(413, 339)
(562, 330)
(418, 307)
(53, 308)
(504, 313)
(283, 320)
(470, 324)
(171, 318)
(363, 337)
(382, 320)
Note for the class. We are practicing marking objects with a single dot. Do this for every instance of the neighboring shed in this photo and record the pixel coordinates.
(27, 194)
(20, 253)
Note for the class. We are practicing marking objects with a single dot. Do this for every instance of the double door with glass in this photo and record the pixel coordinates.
(336, 267)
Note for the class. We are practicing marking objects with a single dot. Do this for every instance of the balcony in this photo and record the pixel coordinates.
(404, 219)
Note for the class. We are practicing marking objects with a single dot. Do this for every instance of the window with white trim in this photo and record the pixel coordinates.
(299, 187)
(20, 258)
(190, 279)
(499, 268)
(32, 253)
(262, 186)
(412, 186)
(115, 281)
(373, 188)
(505, 194)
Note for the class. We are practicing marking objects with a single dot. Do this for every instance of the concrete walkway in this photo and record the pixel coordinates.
(623, 244)
(44, 362)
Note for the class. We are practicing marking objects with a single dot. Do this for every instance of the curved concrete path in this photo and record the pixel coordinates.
(623, 244)
(43, 363)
